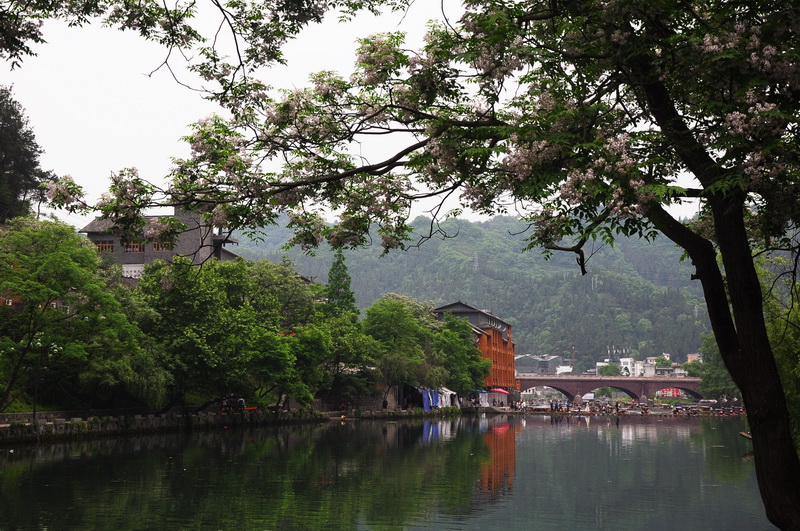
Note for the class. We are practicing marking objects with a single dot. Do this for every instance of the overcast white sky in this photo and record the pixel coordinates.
(95, 110)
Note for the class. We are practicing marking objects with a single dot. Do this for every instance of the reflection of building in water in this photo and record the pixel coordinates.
(497, 476)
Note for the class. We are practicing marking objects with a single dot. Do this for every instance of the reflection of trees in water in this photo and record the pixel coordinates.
(342, 475)
(310, 477)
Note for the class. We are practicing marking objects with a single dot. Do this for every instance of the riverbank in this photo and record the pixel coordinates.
(52, 426)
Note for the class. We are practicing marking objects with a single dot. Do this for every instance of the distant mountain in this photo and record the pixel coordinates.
(636, 299)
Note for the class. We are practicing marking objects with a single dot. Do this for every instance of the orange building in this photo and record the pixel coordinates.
(493, 339)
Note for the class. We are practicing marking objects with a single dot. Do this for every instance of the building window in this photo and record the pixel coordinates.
(134, 247)
(162, 246)
(105, 246)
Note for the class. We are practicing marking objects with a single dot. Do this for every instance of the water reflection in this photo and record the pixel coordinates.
(472, 473)
(497, 475)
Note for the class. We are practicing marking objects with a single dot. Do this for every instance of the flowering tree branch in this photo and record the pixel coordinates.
(584, 116)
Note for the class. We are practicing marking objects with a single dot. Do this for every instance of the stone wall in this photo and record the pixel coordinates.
(25, 430)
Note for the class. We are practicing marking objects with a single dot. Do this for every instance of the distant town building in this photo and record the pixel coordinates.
(644, 368)
(664, 371)
(678, 370)
(198, 241)
(493, 339)
(632, 367)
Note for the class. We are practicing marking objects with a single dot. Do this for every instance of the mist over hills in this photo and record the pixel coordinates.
(637, 298)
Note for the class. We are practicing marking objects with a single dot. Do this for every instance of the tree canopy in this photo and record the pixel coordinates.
(419, 350)
(611, 369)
(589, 118)
(20, 173)
(341, 298)
(234, 328)
(72, 334)
(65, 336)
(637, 294)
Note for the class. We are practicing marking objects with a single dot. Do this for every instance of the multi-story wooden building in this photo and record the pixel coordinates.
(493, 339)
(198, 242)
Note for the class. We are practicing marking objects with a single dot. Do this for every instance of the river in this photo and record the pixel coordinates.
(488, 473)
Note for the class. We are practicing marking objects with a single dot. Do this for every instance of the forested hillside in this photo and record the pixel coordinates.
(637, 296)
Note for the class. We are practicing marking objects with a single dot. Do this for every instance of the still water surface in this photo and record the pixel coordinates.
(492, 473)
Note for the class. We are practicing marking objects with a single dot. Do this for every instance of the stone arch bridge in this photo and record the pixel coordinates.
(635, 387)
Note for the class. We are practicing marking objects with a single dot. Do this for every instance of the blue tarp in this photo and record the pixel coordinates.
(430, 399)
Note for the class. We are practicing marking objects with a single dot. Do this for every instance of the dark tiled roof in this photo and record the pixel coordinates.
(99, 225)
(106, 226)
(463, 307)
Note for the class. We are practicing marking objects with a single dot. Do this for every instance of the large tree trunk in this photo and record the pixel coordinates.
(754, 369)
(739, 328)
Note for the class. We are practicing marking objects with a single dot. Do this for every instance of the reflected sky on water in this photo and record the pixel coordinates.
(499, 472)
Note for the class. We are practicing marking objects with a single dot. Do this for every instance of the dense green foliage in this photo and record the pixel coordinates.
(783, 315)
(66, 336)
(205, 324)
(716, 380)
(340, 298)
(74, 336)
(638, 295)
(612, 369)
(419, 350)
(20, 173)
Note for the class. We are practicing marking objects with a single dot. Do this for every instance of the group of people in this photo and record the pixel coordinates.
(557, 406)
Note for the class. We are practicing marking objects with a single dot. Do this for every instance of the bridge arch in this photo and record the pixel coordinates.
(628, 392)
(571, 395)
(634, 387)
